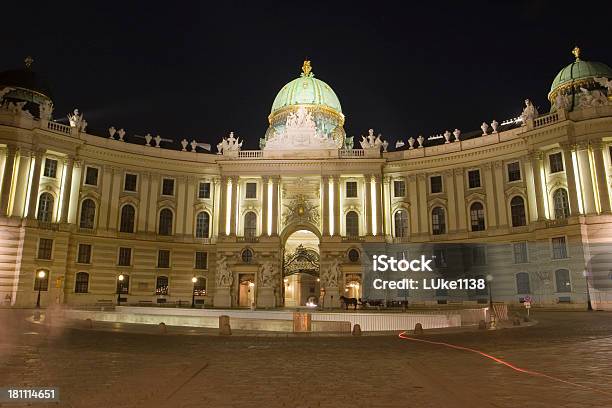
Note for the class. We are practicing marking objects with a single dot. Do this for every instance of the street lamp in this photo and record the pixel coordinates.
(489, 279)
(194, 280)
(41, 276)
(119, 288)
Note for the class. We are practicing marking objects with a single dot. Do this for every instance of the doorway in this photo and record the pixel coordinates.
(246, 291)
(301, 284)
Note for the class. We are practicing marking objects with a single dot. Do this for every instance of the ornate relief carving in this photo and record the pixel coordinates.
(300, 210)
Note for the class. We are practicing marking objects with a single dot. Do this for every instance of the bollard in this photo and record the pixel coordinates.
(356, 330)
(418, 328)
(89, 323)
(482, 325)
(162, 327)
(224, 326)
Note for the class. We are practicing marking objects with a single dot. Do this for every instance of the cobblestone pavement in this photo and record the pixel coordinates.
(145, 369)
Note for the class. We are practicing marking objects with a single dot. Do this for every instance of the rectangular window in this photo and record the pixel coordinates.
(435, 184)
(161, 285)
(204, 190)
(399, 188)
(479, 255)
(251, 190)
(163, 258)
(474, 178)
(84, 254)
(168, 187)
(556, 162)
(125, 256)
(351, 189)
(514, 171)
(91, 176)
(130, 182)
(201, 260)
(45, 246)
(559, 248)
(50, 168)
(520, 252)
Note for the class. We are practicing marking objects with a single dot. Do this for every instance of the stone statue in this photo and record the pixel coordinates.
(111, 132)
(148, 139)
(495, 125)
(268, 275)
(447, 135)
(420, 139)
(225, 277)
(606, 83)
(348, 143)
(529, 113)
(229, 144)
(562, 102)
(262, 143)
(591, 98)
(457, 134)
(121, 133)
(411, 143)
(399, 143)
(5, 91)
(385, 144)
(75, 118)
(45, 109)
(484, 128)
(184, 144)
(331, 274)
(371, 141)
(157, 140)
(193, 145)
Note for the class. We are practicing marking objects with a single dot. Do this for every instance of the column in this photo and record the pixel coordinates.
(325, 204)
(233, 205)
(264, 206)
(275, 200)
(180, 205)
(75, 188)
(491, 214)
(143, 192)
(222, 208)
(460, 191)
(106, 178)
(113, 217)
(586, 179)
(23, 173)
(7, 178)
(336, 209)
(540, 195)
(572, 191)
(414, 207)
(500, 194)
(367, 208)
(33, 200)
(386, 202)
(601, 176)
(153, 197)
(215, 216)
(423, 210)
(66, 188)
(187, 207)
(378, 210)
(449, 184)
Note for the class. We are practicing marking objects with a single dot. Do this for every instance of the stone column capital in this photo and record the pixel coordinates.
(536, 155)
(596, 145)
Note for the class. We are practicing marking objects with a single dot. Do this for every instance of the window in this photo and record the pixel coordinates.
(91, 176)
(439, 257)
(556, 162)
(401, 223)
(352, 224)
(353, 255)
(199, 288)
(81, 284)
(474, 178)
(163, 258)
(435, 183)
(127, 218)
(84, 254)
(41, 284)
(438, 223)
(45, 248)
(479, 255)
(561, 203)
(477, 216)
(130, 182)
(562, 279)
(520, 252)
(559, 248)
(201, 260)
(161, 285)
(247, 255)
(202, 225)
(168, 187)
(125, 256)
(165, 222)
(351, 189)
(251, 190)
(522, 283)
(517, 211)
(399, 188)
(88, 214)
(204, 190)
(123, 286)
(45, 207)
(50, 168)
(250, 225)
(514, 171)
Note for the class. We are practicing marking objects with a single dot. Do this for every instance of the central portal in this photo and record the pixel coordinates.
(301, 270)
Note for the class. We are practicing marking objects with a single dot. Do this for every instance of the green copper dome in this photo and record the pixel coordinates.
(306, 90)
(578, 73)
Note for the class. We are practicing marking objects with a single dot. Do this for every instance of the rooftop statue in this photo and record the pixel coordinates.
(591, 98)
(229, 144)
(76, 120)
(371, 141)
(562, 102)
(606, 83)
(530, 112)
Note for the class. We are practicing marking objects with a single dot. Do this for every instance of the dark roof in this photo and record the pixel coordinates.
(27, 79)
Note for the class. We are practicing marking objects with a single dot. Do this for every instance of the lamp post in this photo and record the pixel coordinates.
(489, 279)
(41, 276)
(119, 288)
(194, 280)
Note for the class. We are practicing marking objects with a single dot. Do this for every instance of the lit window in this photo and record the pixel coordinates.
(199, 288)
(561, 204)
(161, 285)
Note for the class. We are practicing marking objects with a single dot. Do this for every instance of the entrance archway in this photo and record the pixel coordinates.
(301, 269)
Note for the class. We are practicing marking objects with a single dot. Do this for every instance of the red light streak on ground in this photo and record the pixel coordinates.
(404, 336)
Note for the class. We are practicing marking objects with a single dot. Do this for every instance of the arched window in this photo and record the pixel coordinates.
(165, 222)
(562, 278)
(517, 209)
(161, 285)
(202, 225)
(45, 207)
(477, 216)
(250, 225)
(127, 218)
(438, 222)
(401, 223)
(88, 214)
(522, 283)
(561, 204)
(81, 285)
(352, 224)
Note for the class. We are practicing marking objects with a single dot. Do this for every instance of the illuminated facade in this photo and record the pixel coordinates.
(286, 225)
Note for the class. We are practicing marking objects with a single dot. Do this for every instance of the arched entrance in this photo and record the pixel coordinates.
(301, 269)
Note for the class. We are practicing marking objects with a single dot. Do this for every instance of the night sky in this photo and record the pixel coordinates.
(198, 70)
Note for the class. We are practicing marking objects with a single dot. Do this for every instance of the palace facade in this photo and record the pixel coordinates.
(92, 219)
